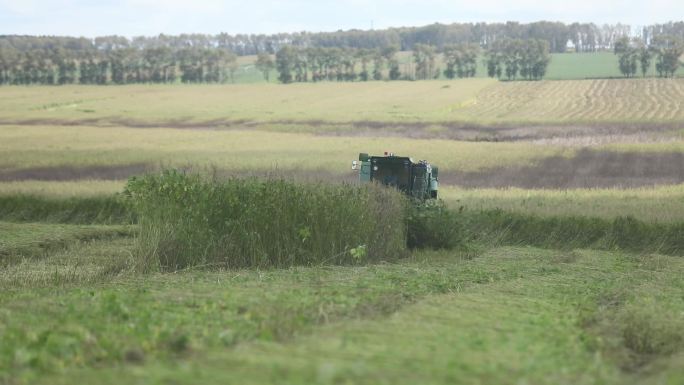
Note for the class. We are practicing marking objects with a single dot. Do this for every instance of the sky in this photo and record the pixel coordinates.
(152, 17)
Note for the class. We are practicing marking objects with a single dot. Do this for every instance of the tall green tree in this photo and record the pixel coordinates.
(669, 50)
(628, 56)
(645, 58)
(424, 58)
(378, 65)
(285, 62)
(265, 65)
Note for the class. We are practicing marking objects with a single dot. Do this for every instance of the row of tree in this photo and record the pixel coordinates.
(510, 57)
(295, 64)
(635, 53)
(120, 66)
(513, 57)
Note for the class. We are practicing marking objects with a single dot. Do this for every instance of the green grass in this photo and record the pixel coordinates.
(504, 316)
(567, 66)
(583, 66)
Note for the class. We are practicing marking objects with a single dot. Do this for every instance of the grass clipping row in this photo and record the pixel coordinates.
(189, 220)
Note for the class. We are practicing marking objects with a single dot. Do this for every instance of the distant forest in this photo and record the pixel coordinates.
(199, 58)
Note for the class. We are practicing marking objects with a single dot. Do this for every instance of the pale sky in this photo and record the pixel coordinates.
(152, 17)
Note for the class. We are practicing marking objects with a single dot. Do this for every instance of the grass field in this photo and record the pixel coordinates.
(561, 238)
(505, 315)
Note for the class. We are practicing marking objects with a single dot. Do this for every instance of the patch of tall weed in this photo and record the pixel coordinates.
(190, 220)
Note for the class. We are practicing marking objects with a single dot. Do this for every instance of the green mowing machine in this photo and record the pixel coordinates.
(416, 179)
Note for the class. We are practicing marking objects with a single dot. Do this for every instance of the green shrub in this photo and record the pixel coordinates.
(188, 220)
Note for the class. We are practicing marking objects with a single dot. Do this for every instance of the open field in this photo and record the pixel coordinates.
(352, 106)
(64, 153)
(121, 151)
(559, 256)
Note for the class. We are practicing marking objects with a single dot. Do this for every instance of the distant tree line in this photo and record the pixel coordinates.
(53, 64)
(212, 58)
(635, 53)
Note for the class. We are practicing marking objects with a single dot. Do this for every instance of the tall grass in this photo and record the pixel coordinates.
(189, 220)
(567, 232)
(438, 227)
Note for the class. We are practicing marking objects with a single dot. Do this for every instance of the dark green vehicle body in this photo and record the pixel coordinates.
(419, 180)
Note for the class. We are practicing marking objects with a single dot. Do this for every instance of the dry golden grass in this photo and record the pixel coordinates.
(62, 189)
(466, 100)
(385, 101)
(55, 146)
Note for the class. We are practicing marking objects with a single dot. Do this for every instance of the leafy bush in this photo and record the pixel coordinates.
(188, 220)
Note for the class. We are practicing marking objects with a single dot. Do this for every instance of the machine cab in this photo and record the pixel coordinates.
(416, 179)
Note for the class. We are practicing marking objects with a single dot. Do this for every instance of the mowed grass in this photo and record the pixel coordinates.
(317, 107)
(37, 239)
(503, 315)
